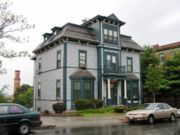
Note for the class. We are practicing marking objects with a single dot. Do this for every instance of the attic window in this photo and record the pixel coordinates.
(45, 38)
(55, 33)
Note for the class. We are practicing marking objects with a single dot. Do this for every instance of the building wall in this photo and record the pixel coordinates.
(136, 65)
(73, 65)
(48, 78)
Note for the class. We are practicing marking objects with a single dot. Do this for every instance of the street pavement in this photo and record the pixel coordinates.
(79, 121)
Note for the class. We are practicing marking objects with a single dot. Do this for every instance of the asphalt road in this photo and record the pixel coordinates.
(159, 128)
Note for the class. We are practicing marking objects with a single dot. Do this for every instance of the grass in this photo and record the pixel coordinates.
(104, 111)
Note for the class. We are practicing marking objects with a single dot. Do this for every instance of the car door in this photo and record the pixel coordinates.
(167, 110)
(16, 114)
(159, 111)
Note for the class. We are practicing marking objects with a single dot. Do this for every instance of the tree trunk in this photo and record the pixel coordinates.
(154, 97)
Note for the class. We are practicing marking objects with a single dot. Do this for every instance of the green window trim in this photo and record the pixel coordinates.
(58, 89)
(110, 34)
(129, 64)
(82, 58)
(82, 89)
(58, 59)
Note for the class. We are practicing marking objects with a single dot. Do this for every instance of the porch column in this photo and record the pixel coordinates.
(125, 89)
(109, 88)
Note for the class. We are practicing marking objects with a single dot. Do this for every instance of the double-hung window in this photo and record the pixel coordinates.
(110, 34)
(129, 65)
(88, 89)
(58, 59)
(82, 59)
(58, 89)
(39, 65)
(39, 90)
(77, 90)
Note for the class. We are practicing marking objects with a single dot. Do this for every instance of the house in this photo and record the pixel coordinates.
(166, 51)
(88, 61)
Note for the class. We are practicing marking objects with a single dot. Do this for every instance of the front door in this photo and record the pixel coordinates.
(113, 92)
(132, 92)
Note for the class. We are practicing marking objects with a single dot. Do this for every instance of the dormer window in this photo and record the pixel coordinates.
(55, 33)
(110, 34)
(45, 38)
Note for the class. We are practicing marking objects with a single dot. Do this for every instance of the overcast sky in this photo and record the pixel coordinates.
(147, 21)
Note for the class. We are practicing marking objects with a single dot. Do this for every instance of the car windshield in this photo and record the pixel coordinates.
(150, 106)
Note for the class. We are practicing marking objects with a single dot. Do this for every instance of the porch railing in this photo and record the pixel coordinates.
(114, 68)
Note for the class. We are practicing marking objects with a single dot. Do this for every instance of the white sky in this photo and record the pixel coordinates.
(147, 21)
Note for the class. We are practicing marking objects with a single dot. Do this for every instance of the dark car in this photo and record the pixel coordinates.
(15, 117)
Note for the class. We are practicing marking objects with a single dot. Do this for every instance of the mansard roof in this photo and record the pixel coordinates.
(111, 18)
(128, 43)
(70, 31)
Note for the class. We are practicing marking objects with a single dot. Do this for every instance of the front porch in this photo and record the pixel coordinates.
(117, 92)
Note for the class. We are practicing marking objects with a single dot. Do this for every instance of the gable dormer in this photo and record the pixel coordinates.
(47, 36)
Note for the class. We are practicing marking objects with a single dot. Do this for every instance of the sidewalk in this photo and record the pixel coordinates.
(79, 121)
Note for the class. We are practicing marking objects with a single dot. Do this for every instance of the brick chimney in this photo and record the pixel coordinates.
(17, 80)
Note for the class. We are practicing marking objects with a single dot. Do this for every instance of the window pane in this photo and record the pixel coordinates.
(3, 110)
(87, 90)
(115, 33)
(129, 65)
(113, 59)
(82, 59)
(77, 93)
(105, 32)
(15, 109)
(58, 55)
(110, 33)
(108, 57)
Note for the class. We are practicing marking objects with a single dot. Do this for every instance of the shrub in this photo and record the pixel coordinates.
(82, 104)
(46, 112)
(98, 103)
(120, 108)
(58, 107)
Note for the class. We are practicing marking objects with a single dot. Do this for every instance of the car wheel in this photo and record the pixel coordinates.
(172, 117)
(151, 119)
(24, 128)
(131, 122)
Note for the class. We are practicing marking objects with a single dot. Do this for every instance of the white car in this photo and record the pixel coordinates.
(151, 112)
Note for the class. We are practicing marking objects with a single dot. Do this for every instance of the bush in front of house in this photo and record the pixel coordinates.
(58, 107)
(83, 104)
(98, 103)
(120, 108)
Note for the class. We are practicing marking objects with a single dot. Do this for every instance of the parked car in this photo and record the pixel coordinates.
(15, 117)
(151, 112)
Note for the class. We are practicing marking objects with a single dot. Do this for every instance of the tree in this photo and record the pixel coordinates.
(148, 57)
(154, 78)
(10, 26)
(3, 96)
(171, 81)
(24, 96)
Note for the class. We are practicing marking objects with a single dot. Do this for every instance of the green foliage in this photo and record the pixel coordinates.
(154, 77)
(3, 96)
(171, 79)
(10, 25)
(24, 96)
(102, 110)
(135, 107)
(82, 104)
(147, 57)
(120, 108)
(58, 107)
